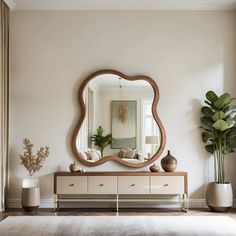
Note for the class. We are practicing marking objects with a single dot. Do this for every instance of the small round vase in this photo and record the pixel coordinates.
(74, 167)
(169, 163)
(154, 168)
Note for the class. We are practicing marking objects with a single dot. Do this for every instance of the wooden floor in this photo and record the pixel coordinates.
(110, 212)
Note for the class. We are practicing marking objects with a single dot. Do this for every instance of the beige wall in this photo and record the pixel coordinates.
(187, 53)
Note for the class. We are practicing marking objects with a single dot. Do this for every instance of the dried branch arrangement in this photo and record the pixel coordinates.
(32, 162)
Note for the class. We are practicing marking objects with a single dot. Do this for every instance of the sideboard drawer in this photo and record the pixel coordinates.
(102, 185)
(167, 184)
(72, 185)
(133, 184)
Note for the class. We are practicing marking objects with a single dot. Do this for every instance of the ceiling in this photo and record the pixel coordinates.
(121, 4)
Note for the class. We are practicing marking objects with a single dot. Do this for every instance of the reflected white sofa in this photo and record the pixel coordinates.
(93, 155)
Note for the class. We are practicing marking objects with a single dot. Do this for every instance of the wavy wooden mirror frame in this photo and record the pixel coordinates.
(83, 113)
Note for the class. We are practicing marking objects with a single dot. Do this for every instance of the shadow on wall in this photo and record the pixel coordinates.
(46, 185)
(231, 168)
(199, 192)
(14, 163)
(194, 116)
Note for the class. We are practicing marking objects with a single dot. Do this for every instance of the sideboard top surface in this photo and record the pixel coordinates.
(119, 173)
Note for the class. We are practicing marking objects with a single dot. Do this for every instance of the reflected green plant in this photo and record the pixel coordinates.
(100, 140)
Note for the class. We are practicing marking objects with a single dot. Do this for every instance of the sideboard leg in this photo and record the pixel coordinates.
(117, 202)
(181, 201)
(185, 202)
(55, 202)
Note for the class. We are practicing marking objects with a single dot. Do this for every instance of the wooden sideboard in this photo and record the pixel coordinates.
(85, 186)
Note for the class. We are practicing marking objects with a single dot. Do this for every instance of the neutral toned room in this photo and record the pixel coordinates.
(118, 117)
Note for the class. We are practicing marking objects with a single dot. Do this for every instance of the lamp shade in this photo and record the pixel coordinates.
(151, 139)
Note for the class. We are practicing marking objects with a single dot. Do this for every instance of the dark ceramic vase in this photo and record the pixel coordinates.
(169, 163)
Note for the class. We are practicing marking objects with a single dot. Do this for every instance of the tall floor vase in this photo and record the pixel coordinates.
(30, 194)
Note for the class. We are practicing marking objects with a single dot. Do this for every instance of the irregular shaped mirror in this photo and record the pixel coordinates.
(118, 120)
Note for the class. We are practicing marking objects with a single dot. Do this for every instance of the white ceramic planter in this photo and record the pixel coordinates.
(30, 194)
(30, 198)
(219, 197)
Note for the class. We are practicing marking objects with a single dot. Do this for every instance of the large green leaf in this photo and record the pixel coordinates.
(211, 96)
(231, 123)
(232, 115)
(207, 111)
(206, 136)
(220, 125)
(207, 130)
(210, 148)
(216, 133)
(230, 133)
(210, 105)
(230, 112)
(231, 145)
(223, 101)
(207, 120)
(219, 115)
(230, 109)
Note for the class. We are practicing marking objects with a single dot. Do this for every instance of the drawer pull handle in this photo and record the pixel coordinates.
(71, 185)
(132, 185)
(165, 185)
(100, 185)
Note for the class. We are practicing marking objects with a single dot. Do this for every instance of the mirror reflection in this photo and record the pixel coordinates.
(118, 121)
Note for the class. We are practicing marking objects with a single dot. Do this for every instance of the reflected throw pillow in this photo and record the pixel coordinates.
(84, 155)
(128, 153)
(93, 155)
(131, 153)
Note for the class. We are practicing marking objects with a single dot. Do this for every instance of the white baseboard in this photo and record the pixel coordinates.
(48, 203)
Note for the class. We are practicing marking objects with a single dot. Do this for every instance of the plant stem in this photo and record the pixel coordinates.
(217, 163)
(215, 171)
(221, 162)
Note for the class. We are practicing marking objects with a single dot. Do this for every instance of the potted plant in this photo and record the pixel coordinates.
(32, 163)
(219, 136)
(100, 140)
